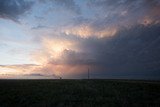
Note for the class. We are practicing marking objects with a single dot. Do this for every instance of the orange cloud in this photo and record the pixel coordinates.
(52, 49)
(16, 70)
(55, 57)
(86, 31)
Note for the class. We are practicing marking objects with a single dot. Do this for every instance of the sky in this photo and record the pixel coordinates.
(49, 39)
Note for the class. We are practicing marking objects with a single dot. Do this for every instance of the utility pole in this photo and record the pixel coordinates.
(88, 73)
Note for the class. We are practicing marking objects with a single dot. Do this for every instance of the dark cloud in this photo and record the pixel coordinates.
(131, 52)
(12, 9)
(110, 16)
(71, 57)
(39, 75)
(40, 18)
(124, 13)
(34, 74)
(39, 27)
(122, 5)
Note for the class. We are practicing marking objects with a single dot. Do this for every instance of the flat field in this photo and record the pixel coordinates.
(79, 93)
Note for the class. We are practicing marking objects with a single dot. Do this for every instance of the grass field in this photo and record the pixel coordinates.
(79, 93)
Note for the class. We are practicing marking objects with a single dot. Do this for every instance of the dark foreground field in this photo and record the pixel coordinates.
(79, 93)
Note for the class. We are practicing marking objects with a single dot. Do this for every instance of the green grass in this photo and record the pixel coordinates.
(79, 93)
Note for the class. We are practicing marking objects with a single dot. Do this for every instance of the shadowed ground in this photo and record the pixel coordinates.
(79, 93)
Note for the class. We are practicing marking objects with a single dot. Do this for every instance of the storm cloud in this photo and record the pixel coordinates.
(112, 15)
(133, 52)
(12, 9)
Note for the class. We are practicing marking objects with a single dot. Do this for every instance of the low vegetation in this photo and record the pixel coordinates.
(79, 93)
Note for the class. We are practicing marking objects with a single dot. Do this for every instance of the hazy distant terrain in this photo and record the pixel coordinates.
(79, 93)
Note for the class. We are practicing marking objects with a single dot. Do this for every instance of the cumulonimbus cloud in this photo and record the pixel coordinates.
(134, 51)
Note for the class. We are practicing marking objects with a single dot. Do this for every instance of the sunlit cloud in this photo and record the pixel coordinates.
(52, 49)
(61, 57)
(87, 31)
(23, 68)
